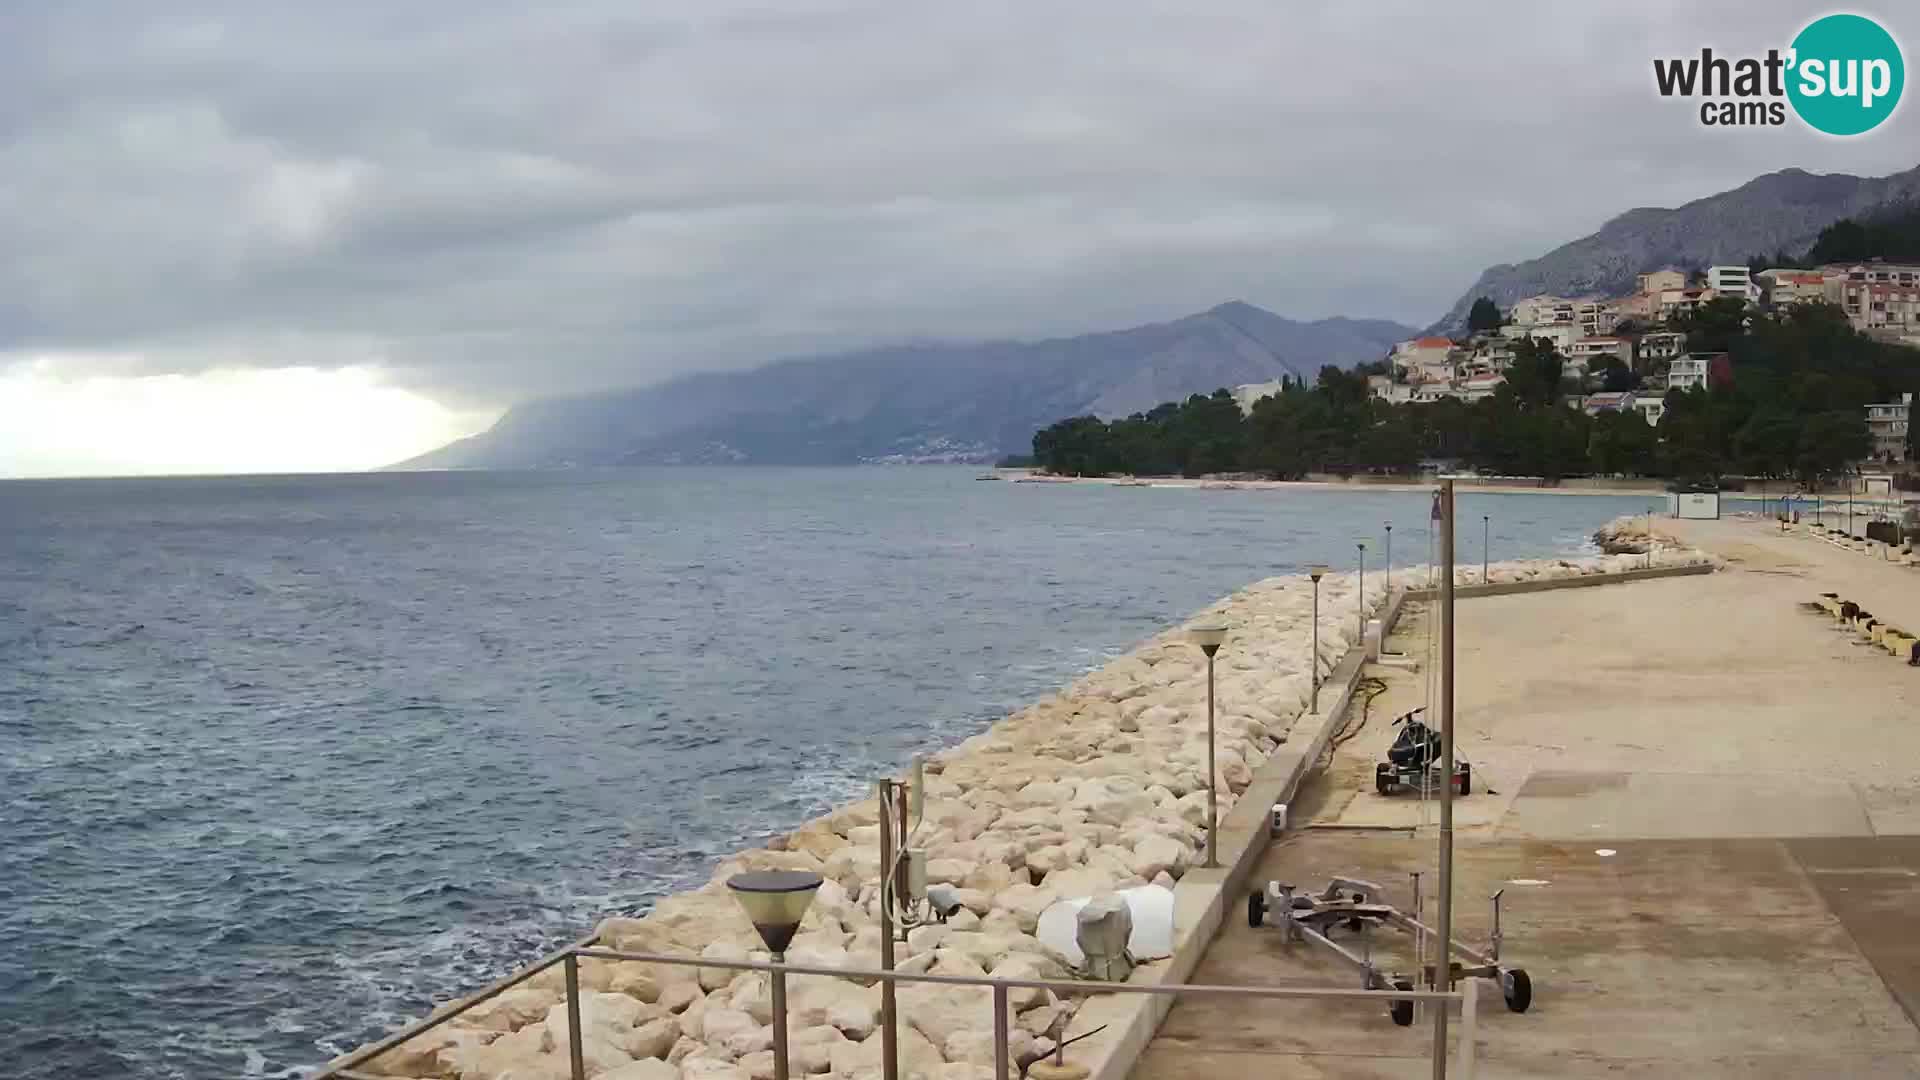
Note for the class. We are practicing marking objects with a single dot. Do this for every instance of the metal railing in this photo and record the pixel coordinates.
(346, 1068)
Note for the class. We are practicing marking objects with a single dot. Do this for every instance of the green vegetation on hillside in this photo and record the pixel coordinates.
(1794, 409)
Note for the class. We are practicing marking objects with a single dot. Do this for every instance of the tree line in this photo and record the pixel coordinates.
(1795, 408)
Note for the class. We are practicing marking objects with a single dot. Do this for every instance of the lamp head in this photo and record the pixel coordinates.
(775, 901)
(1316, 572)
(1208, 636)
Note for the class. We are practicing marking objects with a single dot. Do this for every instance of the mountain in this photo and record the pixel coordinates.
(1781, 211)
(916, 402)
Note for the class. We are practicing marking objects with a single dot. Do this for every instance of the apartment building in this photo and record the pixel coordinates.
(1731, 281)
(1674, 302)
(1660, 346)
(1784, 287)
(1591, 352)
(1655, 282)
(1887, 423)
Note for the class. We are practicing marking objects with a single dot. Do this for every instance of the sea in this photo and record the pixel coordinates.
(285, 760)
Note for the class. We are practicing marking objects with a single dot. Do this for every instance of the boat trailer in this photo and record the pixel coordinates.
(1351, 903)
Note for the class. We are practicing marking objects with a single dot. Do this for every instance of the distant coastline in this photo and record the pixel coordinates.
(1488, 485)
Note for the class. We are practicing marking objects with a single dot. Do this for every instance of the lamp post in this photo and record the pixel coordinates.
(1360, 594)
(1486, 543)
(776, 901)
(1389, 527)
(1316, 572)
(1209, 636)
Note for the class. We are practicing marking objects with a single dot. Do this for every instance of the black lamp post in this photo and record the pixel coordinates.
(1209, 637)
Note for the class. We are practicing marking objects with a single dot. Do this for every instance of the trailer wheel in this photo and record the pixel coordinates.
(1256, 909)
(1466, 779)
(1517, 988)
(1383, 778)
(1401, 1010)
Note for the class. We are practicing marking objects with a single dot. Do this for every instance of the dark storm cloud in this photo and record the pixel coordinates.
(508, 199)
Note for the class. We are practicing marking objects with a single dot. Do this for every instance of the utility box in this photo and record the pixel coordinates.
(1698, 505)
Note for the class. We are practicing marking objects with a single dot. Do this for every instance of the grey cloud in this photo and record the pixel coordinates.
(501, 200)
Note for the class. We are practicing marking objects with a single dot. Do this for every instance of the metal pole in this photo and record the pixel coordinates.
(779, 1019)
(1389, 557)
(1360, 599)
(1442, 957)
(1001, 1066)
(1486, 543)
(575, 1053)
(889, 1019)
(1313, 677)
(1213, 799)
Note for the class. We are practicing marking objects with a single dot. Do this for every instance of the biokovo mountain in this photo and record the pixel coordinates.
(1781, 211)
(916, 403)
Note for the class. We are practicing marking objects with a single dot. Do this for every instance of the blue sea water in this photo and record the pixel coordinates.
(286, 759)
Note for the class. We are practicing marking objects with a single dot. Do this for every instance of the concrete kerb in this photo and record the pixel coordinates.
(1511, 588)
(1201, 898)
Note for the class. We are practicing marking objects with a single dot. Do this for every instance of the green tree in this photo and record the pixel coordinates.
(1534, 375)
(1830, 442)
(1484, 315)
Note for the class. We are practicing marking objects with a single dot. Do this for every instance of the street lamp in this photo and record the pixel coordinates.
(1486, 543)
(1389, 557)
(1209, 636)
(776, 901)
(1360, 594)
(1316, 572)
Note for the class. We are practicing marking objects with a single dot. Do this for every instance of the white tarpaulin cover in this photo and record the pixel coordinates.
(1150, 905)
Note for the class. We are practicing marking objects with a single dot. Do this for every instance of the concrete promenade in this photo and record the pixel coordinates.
(1703, 802)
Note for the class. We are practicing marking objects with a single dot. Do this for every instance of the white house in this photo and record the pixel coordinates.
(1731, 281)
(1687, 372)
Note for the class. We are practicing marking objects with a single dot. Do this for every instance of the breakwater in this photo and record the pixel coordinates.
(1100, 786)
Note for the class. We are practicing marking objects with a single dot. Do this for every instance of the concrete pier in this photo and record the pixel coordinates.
(1703, 802)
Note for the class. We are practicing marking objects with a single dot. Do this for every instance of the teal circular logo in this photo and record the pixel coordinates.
(1846, 74)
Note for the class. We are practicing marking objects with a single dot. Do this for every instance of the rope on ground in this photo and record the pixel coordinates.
(1365, 691)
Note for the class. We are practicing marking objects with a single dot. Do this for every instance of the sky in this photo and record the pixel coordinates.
(274, 235)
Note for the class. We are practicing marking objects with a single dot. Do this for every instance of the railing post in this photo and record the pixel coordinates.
(1469, 1026)
(1002, 1070)
(574, 1051)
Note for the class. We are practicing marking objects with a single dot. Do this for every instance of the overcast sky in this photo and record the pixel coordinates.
(273, 234)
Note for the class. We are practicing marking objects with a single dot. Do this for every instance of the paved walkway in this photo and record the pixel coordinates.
(1756, 777)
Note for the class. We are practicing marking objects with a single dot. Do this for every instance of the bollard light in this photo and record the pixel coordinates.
(775, 902)
(1209, 636)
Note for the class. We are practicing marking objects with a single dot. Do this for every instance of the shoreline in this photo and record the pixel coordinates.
(1098, 786)
(1028, 476)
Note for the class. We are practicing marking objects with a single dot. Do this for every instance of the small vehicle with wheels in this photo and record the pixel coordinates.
(1352, 905)
(1416, 761)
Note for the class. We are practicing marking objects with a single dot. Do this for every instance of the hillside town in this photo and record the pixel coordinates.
(1623, 354)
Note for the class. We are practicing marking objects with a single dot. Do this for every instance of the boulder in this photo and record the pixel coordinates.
(713, 978)
(644, 1069)
(1154, 855)
(1024, 903)
(916, 1055)
(509, 1011)
(654, 1038)
(718, 1023)
(698, 1067)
